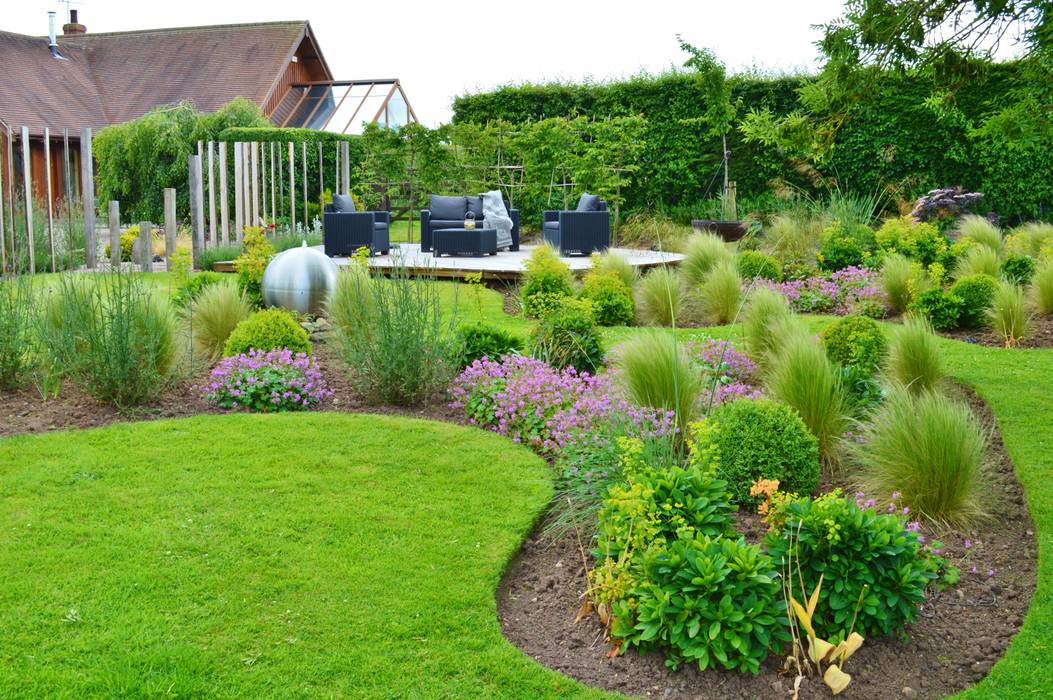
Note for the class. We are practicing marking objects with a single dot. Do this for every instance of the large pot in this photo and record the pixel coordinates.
(728, 230)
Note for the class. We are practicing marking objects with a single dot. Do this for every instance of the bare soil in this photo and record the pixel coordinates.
(1040, 335)
(961, 632)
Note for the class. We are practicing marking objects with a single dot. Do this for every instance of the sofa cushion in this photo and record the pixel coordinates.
(475, 205)
(343, 203)
(552, 225)
(588, 202)
(381, 225)
(447, 208)
(447, 223)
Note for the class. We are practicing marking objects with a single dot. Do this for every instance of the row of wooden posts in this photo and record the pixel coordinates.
(260, 196)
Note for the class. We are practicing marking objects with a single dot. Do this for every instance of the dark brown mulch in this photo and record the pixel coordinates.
(1040, 335)
(959, 635)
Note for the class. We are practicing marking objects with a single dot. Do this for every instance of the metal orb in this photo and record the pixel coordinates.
(299, 279)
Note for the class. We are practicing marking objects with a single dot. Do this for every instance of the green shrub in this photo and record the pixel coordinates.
(914, 357)
(861, 556)
(659, 373)
(611, 299)
(920, 241)
(1034, 239)
(753, 263)
(702, 253)
(978, 260)
(976, 293)
(766, 310)
(720, 294)
(1008, 316)
(902, 281)
(265, 330)
(192, 286)
(844, 246)
(567, 337)
(804, 377)
(128, 238)
(18, 312)
(252, 263)
(1018, 269)
(931, 450)
(942, 308)
(1042, 287)
(216, 311)
(711, 602)
(479, 339)
(751, 439)
(856, 341)
(546, 281)
(609, 263)
(981, 232)
(660, 297)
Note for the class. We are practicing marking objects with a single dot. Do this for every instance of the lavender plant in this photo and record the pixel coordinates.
(276, 380)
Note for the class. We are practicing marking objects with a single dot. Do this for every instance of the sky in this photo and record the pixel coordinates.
(441, 50)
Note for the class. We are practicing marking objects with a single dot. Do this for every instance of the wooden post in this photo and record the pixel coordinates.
(68, 196)
(281, 182)
(87, 181)
(292, 188)
(246, 183)
(171, 227)
(27, 182)
(239, 205)
(303, 161)
(146, 246)
(263, 184)
(11, 193)
(115, 235)
(274, 210)
(255, 165)
(321, 179)
(211, 195)
(197, 208)
(224, 213)
(47, 178)
(346, 147)
(3, 226)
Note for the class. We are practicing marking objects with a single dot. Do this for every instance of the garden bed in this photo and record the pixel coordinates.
(960, 634)
(1040, 336)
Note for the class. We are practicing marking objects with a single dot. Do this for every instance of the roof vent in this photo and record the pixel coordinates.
(52, 43)
(73, 26)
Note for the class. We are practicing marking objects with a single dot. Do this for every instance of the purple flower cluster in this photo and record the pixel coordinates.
(728, 372)
(847, 291)
(267, 381)
(545, 408)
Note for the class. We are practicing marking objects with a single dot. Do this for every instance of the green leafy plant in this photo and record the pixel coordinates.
(128, 238)
(765, 312)
(1034, 239)
(702, 253)
(270, 329)
(914, 357)
(658, 373)
(193, 285)
(1042, 287)
(794, 240)
(856, 341)
(610, 263)
(1008, 315)
(902, 280)
(480, 339)
(252, 263)
(846, 245)
(720, 294)
(611, 299)
(1018, 269)
(660, 297)
(214, 313)
(222, 253)
(976, 293)
(753, 263)
(942, 308)
(920, 241)
(751, 439)
(18, 316)
(546, 281)
(567, 337)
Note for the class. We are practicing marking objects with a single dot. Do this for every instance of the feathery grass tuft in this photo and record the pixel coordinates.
(660, 297)
(721, 293)
(1042, 287)
(702, 253)
(979, 230)
(764, 312)
(913, 356)
(979, 260)
(214, 314)
(902, 281)
(659, 374)
(1008, 316)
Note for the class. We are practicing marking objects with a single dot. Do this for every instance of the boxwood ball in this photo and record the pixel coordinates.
(299, 279)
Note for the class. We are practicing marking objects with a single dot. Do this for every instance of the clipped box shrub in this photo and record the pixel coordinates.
(567, 337)
(856, 341)
(479, 340)
(270, 329)
(752, 439)
(845, 245)
(916, 240)
(547, 281)
(976, 293)
(753, 263)
(942, 308)
(611, 298)
(1018, 269)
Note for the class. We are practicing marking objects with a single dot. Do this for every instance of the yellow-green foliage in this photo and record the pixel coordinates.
(721, 293)
(128, 239)
(547, 281)
(252, 263)
(646, 230)
(609, 263)
(978, 260)
(902, 280)
(765, 311)
(702, 253)
(917, 240)
(268, 330)
(914, 357)
(351, 305)
(793, 240)
(981, 231)
(1042, 287)
(1034, 239)
(660, 297)
(214, 314)
(659, 373)
(1007, 316)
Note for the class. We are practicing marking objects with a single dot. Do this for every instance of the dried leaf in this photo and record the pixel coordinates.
(584, 611)
(616, 650)
(836, 679)
(818, 649)
(848, 647)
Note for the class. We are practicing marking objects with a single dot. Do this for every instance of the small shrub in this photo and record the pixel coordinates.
(1042, 287)
(1008, 316)
(658, 373)
(215, 313)
(753, 263)
(252, 263)
(477, 340)
(193, 285)
(842, 246)
(18, 308)
(856, 341)
(920, 241)
(660, 297)
(702, 253)
(766, 310)
(611, 299)
(1018, 269)
(567, 337)
(914, 357)
(902, 281)
(609, 263)
(128, 238)
(861, 556)
(546, 281)
(754, 439)
(931, 450)
(976, 293)
(270, 329)
(1034, 239)
(350, 306)
(270, 381)
(981, 232)
(942, 308)
(720, 294)
(978, 260)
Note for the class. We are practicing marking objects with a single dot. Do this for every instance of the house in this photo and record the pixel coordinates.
(77, 79)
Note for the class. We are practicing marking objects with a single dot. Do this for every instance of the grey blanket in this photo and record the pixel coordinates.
(496, 216)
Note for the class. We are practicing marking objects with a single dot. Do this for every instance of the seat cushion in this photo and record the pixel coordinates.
(343, 203)
(447, 208)
(552, 225)
(447, 223)
(475, 205)
(588, 202)
(381, 226)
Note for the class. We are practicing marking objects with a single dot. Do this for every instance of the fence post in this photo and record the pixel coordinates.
(47, 179)
(87, 179)
(3, 225)
(274, 210)
(146, 246)
(254, 164)
(239, 192)
(211, 198)
(115, 234)
(11, 193)
(171, 228)
(303, 161)
(224, 207)
(27, 181)
(197, 205)
(346, 180)
(292, 187)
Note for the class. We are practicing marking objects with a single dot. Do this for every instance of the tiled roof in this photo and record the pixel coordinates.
(117, 76)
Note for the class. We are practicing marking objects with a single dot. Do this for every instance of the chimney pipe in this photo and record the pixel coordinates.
(73, 26)
(52, 43)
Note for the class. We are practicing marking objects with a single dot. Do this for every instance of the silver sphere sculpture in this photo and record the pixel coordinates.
(299, 279)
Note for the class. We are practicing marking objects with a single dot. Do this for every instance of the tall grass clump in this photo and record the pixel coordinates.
(721, 293)
(1008, 315)
(660, 297)
(979, 260)
(702, 253)
(765, 312)
(1042, 287)
(112, 335)
(17, 318)
(981, 231)
(396, 342)
(902, 280)
(930, 449)
(658, 373)
(609, 263)
(850, 208)
(216, 311)
(646, 230)
(224, 253)
(913, 355)
(792, 239)
(1034, 238)
(803, 376)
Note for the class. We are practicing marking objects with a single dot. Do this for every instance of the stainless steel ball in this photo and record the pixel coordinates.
(299, 279)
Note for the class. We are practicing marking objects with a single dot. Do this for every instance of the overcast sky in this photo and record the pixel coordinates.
(441, 49)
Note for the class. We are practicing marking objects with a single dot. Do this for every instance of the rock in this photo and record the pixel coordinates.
(909, 692)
